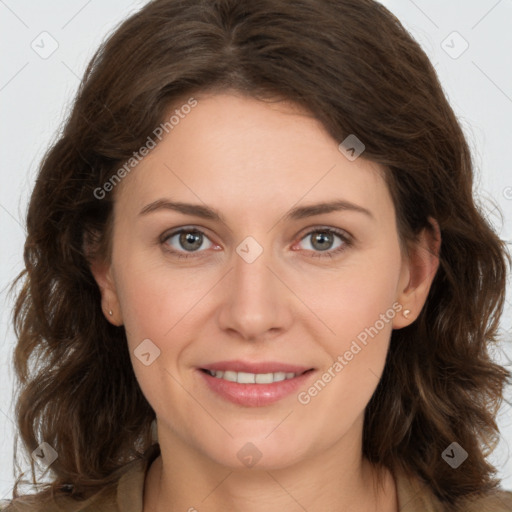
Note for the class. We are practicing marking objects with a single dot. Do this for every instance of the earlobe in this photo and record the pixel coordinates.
(103, 275)
(420, 269)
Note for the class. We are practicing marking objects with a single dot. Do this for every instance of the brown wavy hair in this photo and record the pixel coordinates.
(355, 68)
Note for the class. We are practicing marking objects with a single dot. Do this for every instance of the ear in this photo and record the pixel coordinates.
(103, 275)
(418, 271)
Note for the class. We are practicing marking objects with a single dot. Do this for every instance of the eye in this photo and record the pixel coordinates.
(188, 239)
(322, 240)
(192, 240)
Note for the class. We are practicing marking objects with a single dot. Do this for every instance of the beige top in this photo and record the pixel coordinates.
(413, 496)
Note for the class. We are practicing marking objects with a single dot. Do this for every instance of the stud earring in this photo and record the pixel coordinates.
(110, 312)
(406, 313)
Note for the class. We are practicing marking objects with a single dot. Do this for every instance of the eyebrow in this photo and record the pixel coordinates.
(297, 213)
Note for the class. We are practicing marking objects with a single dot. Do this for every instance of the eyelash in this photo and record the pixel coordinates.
(347, 242)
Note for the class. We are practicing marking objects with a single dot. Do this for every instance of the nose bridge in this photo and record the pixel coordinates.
(254, 302)
(252, 279)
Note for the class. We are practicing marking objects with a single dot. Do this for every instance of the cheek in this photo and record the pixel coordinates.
(357, 306)
(157, 305)
(154, 296)
(354, 298)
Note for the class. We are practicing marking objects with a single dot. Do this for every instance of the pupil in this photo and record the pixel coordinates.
(322, 237)
(190, 238)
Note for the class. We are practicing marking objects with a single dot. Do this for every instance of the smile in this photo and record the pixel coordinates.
(248, 389)
(252, 378)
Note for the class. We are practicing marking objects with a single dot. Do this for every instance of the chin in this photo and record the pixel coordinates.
(256, 453)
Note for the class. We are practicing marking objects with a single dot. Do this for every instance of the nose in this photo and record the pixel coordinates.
(257, 304)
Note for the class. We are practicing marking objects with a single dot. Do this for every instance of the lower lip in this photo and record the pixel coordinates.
(254, 395)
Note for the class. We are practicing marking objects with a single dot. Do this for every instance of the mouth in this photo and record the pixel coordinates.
(253, 378)
(254, 384)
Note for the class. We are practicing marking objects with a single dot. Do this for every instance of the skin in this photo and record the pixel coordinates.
(252, 161)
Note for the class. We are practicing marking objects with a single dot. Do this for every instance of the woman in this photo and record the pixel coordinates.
(280, 374)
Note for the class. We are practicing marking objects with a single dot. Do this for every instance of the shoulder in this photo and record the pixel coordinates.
(125, 496)
(498, 501)
(415, 495)
(102, 500)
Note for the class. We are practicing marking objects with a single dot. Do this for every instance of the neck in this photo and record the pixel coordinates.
(181, 479)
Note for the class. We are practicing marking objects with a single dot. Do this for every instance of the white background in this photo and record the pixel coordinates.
(35, 94)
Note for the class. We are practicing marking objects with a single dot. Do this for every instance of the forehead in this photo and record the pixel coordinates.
(233, 150)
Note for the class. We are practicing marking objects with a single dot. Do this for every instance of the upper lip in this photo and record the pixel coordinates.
(261, 367)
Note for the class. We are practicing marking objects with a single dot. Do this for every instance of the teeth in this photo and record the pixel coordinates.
(229, 375)
(246, 378)
(264, 378)
(251, 378)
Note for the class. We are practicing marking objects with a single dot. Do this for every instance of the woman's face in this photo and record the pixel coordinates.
(274, 287)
